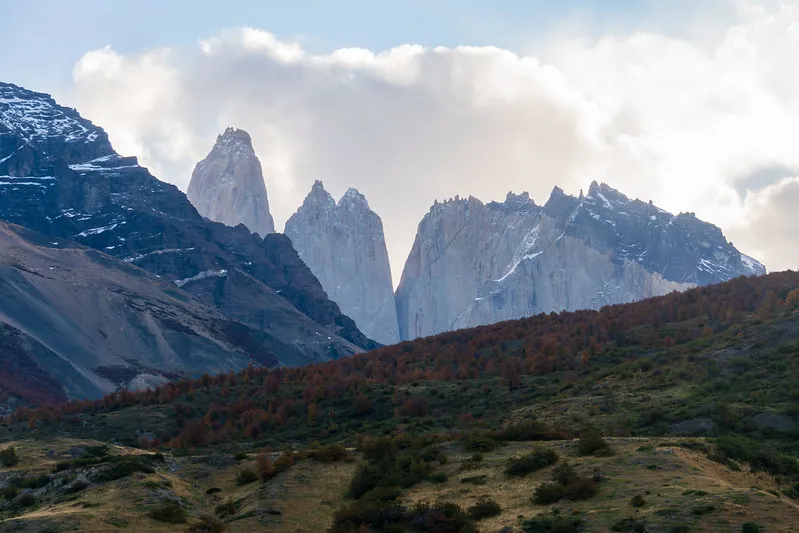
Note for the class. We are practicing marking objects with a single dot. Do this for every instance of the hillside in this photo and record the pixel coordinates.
(717, 363)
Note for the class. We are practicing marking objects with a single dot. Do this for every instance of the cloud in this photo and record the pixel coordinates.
(656, 116)
(770, 221)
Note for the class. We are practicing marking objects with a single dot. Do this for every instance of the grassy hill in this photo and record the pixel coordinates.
(697, 392)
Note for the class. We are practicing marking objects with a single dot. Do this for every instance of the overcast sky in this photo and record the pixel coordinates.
(693, 104)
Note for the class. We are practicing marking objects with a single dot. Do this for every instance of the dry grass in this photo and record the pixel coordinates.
(304, 499)
(666, 477)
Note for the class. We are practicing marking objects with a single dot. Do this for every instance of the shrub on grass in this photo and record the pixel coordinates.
(637, 501)
(228, 508)
(124, 466)
(592, 443)
(207, 524)
(329, 454)
(548, 493)
(582, 489)
(528, 430)
(169, 512)
(245, 476)
(750, 527)
(478, 442)
(484, 508)
(26, 500)
(442, 517)
(564, 474)
(538, 459)
(553, 524)
(9, 457)
(366, 478)
(629, 525)
(439, 477)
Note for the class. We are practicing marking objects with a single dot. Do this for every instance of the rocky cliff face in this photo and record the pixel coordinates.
(475, 263)
(60, 176)
(228, 185)
(344, 245)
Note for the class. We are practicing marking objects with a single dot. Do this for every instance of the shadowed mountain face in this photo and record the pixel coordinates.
(475, 263)
(76, 322)
(60, 176)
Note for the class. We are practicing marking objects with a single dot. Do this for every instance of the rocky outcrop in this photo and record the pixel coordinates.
(475, 263)
(228, 185)
(344, 246)
(60, 176)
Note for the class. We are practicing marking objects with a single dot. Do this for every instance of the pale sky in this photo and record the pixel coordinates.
(693, 104)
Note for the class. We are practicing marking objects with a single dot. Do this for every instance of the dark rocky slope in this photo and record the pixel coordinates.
(60, 176)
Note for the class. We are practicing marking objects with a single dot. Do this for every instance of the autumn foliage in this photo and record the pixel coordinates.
(539, 345)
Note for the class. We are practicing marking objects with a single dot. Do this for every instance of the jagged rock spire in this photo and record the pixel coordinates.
(228, 185)
(344, 245)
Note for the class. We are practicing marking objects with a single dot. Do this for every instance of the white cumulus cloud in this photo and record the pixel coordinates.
(689, 125)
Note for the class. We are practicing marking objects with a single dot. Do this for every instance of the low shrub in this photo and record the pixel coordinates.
(548, 493)
(637, 501)
(366, 478)
(592, 443)
(26, 500)
(750, 527)
(169, 512)
(629, 525)
(245, 476)
(528, 430)
(441, 517)
(228, 508)
(759, 456)
(439, 477)
(329, 454)
(538, 459)
(582, 489)
(564, 474)
(207, 524)
(372, 513)
(478, 442)
(553, 524)
(484, 508)
(476, 480)
(36, 482)
(76, 486)
(126, 465)
(9, 457)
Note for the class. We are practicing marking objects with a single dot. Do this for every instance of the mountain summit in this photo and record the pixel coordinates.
(344, 246)
(228, 185)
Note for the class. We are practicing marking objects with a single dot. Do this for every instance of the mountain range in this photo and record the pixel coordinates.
(61, 178)
(113, 278)
(475, 263)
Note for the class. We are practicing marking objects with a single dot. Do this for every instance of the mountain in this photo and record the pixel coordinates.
(474, 263)
(60, 176)
(228, 185)
(344, 246)
(77, 323)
